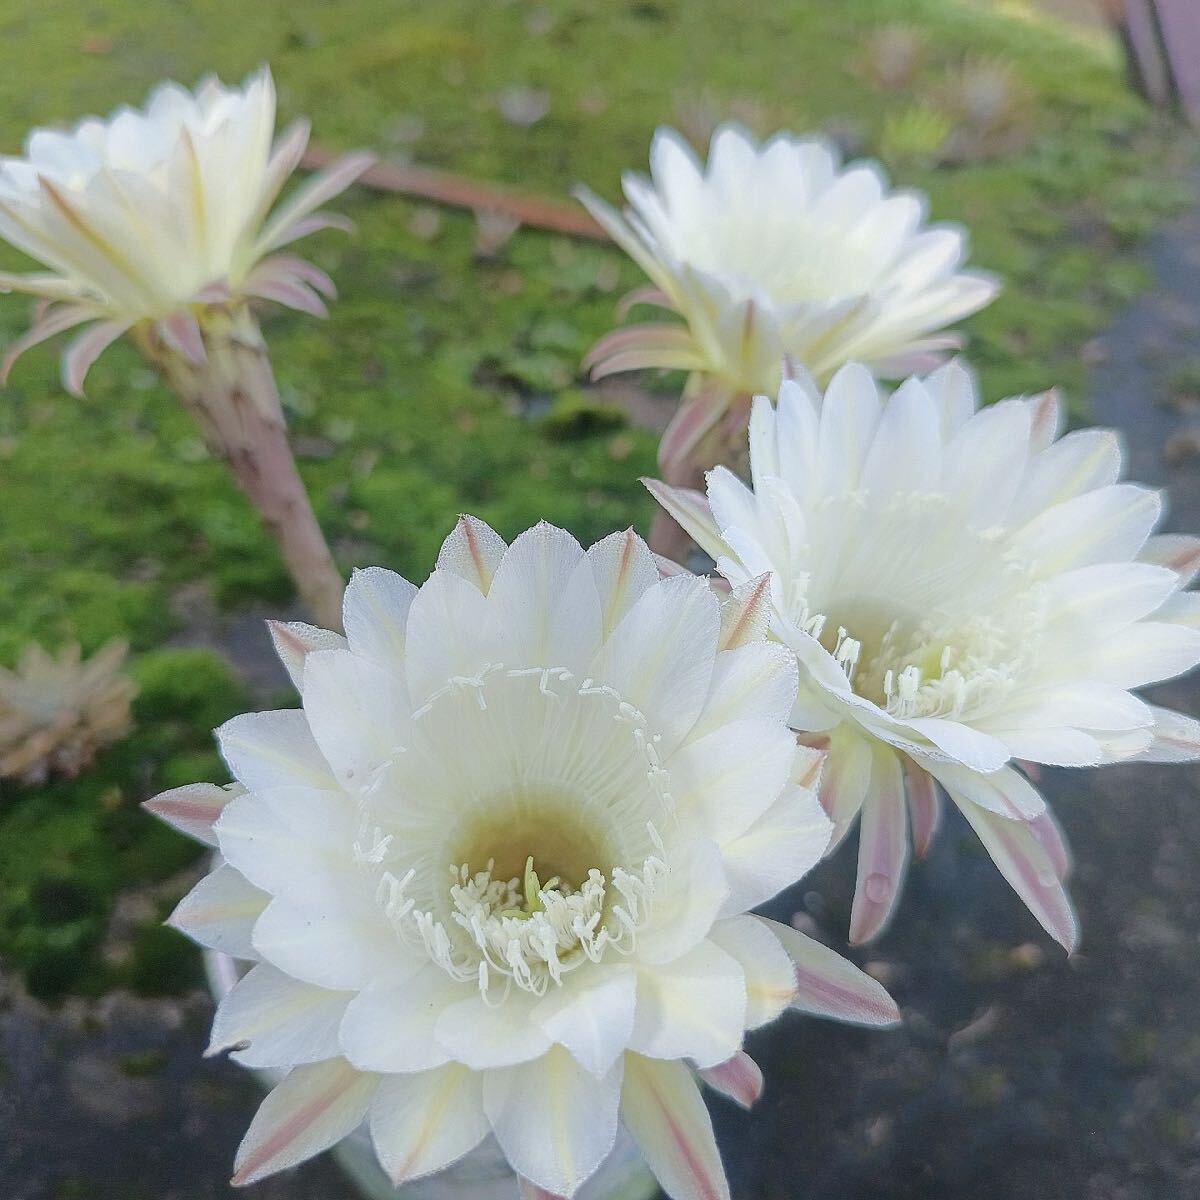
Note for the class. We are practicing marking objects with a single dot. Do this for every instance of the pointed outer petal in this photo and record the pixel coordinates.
(663, 1110)
(389, 1024)
(528, 1190)
(1058, 746)
(690, 509)
(1176, 738)
(85, 349)
(446, 635)
(906, 452)
(295, 640)
(1031, 870)
(1107, 525)
(694, 1007)
(285, 1022)
(686, 904)
(357, 711)
(694, 417)
(622, 568)
(882, 850)
(181, 331)
(724, 781)
(971, 747)
(193, 808)
(953, 390)
(1146, 652)
(273, 749)
(661, 655)
(482, 1037)
(746, 614)
(1046, 419)
(770, 977)
(314, 224)
(423, 1122)
(844, 781)
(1006, 792)
(314, 1107)
(849, 414)
(375, 614)
(43, 284)
(554, 1121)
(220, 912)
(758, 679)
(56, 321)
(1111, 594)
(1177, 551)
(289, 292)
(543, 601)
(473, 551)
(1079, 463)
(342, 946)
(300, 270)
(654, 344)
(642, 295)
(1052, 839)
(306, 199)
(285, 157)
(291, 840)
(924, 806)
(782, 846)
(593, 1019)
(738, 1078)
(828, 985)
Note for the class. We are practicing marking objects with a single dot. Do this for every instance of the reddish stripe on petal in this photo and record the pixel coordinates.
(192, 809)
(751, 610)
(924, 806)
(1045, 828)
(738, 1077)
(287, 1133)
(882, 850)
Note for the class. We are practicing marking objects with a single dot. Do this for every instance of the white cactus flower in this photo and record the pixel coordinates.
(495, 873)
(966, 592)
(149, 215)
(778, 251)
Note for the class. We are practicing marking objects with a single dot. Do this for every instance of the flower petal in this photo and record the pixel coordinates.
(882, 850)
(220, 912)
(738, 1077)
(193, 808)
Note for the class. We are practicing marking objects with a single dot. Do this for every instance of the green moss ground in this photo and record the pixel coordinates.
(404, 404)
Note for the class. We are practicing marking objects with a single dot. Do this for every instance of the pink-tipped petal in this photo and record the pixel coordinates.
(193, 808)
(314, 1107)
(314, 224)
(668, 567)
(181, 331)
(1176, 738)
(473, 551)
(1046, 419)
(662, 1108)
(882, 850)
(288, 292)
(320, 188)
(292, 266)
(85, 349)
(746, 614)
(696, 415)
(738, 1077)
(643, 295)
(924, 806)
(1051, 838)
(294, 641)
(53, 321)
(828, 985)
(691, 510)
(1025, 863)
(1179, 552)
(531, 1191)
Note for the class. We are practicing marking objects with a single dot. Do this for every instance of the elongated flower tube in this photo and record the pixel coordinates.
(769, 253)
(163, 224)
(494, 874)
(966, 592)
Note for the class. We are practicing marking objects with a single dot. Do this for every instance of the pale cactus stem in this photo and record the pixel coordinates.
(230, 389)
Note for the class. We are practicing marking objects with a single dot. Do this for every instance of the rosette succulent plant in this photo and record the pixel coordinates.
(494, 875)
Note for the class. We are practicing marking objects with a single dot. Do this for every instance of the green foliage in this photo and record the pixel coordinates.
(445, 382)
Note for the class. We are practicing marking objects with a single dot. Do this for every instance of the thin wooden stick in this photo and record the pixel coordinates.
(460, 191)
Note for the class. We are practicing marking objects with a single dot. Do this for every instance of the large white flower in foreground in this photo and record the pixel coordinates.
(778, 250)
(495, 872)
(144, 216)
(965, 592)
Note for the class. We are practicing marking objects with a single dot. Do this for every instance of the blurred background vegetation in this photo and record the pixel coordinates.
(448, 377)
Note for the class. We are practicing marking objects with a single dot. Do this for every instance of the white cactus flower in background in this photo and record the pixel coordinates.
(778, 251)
(149, 215)
(495, 873)
(965, 592)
